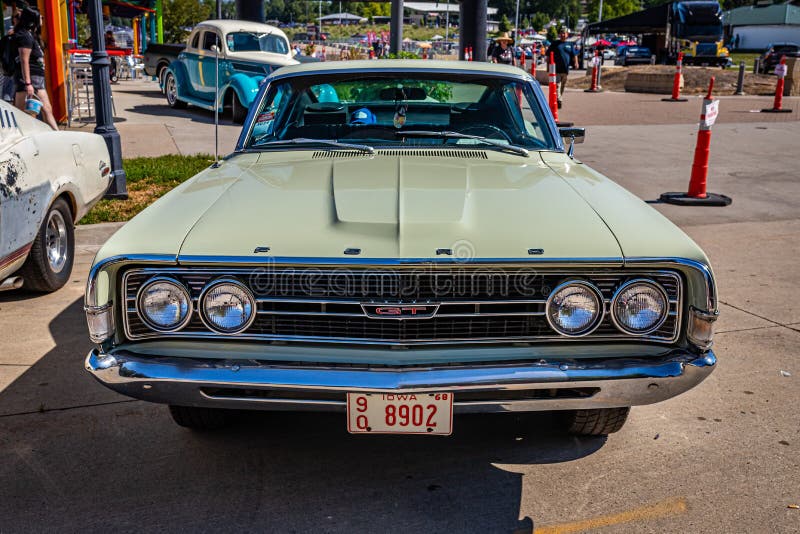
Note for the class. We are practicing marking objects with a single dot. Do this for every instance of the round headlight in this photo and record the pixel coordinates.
(574, 308)
(164, 304)
(639, 307)
(228, 307)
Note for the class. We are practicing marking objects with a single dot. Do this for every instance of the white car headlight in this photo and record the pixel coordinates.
(164, 304)
(227, 306)
(639, 307)
(574, 308)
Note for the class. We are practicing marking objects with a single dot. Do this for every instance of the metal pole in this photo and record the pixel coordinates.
(600, 14)
(219, 9)
(396, 27)
(101, 83)
(447, 26)
(516, 26)
(216, 103)
(740, 80)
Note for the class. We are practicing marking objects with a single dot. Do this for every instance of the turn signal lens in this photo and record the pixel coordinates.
(639, 307)
(228, 307)
(574, 308)
(701, 328)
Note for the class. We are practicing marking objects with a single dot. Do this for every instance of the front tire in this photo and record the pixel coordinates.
(171, 92)
(238, 110)
(201, 419)
(598, 422)
(49, 264)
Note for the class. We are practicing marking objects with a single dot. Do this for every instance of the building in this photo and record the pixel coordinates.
(436, 14)
(342, 18)
(754, 28)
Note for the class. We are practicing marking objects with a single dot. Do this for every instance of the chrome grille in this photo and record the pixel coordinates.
(476, 305)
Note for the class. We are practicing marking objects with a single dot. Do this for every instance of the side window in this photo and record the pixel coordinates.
(271, 111)
(195, 40)
(209, 39)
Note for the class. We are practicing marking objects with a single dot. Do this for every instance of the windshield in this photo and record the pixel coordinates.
(376, 109)
(256, 42)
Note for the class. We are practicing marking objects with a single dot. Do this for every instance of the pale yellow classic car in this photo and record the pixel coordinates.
(401, 241)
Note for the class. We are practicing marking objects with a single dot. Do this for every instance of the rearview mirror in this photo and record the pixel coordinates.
(403, 93)
(574, 136)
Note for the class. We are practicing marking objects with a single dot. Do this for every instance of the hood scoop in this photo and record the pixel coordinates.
(409, 152)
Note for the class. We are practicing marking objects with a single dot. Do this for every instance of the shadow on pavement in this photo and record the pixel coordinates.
(94, 460)
(193, 113)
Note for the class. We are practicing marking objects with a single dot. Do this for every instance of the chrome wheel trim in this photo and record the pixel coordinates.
(172, 90)
(56, 241)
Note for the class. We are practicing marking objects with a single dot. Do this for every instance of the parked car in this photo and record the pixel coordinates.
(773, 54)
(399, 241)
(248, 52)
(157, 58)
(48, 181)
(633, 55)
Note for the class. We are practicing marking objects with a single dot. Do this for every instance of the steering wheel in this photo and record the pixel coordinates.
(492, 130)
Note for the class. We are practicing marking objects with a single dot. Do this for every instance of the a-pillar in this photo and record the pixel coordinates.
(252, 10)
(396, 27)
(472, 29)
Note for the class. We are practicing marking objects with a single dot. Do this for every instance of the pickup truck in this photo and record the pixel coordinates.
(158, 56)
(247, 53)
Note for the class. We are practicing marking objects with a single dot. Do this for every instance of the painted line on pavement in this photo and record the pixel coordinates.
(665, 508)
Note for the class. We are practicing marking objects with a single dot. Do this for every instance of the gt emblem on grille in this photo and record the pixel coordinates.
(400, 311)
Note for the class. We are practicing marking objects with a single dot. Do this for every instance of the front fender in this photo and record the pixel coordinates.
(246, 87)
(184, 86)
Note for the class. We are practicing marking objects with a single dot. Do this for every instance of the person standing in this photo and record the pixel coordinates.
(29, 73)
(7, 82)
(503, 53)
(564, 58)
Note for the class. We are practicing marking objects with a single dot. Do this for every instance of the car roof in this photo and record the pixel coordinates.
(226, 26)
(433, 66)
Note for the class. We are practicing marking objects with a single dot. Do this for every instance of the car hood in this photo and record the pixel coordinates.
(312, 205)
(269, 58)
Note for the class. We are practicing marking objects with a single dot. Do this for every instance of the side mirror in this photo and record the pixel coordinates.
(214, 48)
(574, 136)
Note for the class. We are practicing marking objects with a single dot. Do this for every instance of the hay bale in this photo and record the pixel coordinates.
(650, 82)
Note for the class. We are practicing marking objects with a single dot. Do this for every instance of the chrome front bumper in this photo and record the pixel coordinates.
(529, 386)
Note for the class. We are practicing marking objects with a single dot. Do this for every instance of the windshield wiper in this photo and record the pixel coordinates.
(328, 142)
(458, 135)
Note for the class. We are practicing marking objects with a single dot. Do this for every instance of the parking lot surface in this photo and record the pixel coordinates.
(724, 457)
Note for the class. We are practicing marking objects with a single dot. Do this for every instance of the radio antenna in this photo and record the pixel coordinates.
(216, 104)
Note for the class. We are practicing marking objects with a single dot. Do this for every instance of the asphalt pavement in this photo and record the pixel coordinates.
(723, 457)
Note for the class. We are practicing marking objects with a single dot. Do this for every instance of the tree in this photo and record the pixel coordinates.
(504, 25)
(180, 16)
(611, 8)
(552, 33)
(539, 21)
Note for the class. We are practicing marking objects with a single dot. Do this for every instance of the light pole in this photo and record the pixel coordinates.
(516, 26)
(101, 84)
(600, 14)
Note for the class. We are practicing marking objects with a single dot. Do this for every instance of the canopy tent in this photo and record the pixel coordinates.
(653, 20)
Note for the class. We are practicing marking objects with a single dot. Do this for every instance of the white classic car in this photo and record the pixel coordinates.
(48, 180)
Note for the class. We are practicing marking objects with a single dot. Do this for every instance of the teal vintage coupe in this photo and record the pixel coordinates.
(240, 53)
(401, 241)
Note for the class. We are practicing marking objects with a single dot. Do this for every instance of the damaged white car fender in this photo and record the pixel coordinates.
(48, 181)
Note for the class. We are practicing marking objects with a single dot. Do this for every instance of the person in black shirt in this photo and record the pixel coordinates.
(29, 72)
(564, 58)
(502, 52)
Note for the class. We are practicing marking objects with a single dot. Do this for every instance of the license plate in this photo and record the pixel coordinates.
(392, 413)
